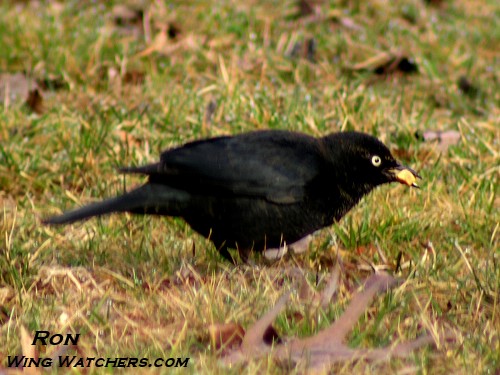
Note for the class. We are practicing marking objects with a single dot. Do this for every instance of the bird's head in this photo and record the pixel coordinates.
(368, 162)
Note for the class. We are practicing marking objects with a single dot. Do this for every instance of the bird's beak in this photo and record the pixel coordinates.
(404, 175)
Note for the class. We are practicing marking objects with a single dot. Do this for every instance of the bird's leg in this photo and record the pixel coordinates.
(276, 253)
(297, 247)
(301, 246)
(224, 252)
(244, 253)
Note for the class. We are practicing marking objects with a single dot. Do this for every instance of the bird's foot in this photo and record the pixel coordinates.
(297, 247)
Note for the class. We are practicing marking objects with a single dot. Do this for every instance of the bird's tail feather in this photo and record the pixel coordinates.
(144, 169)
(145, 199)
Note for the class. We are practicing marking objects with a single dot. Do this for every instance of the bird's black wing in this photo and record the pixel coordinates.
(275, 165)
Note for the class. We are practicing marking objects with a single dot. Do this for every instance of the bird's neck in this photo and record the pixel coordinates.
(350, 195)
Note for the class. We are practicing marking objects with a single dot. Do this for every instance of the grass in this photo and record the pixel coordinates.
(150, 287)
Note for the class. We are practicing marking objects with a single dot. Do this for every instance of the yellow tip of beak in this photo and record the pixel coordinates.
(407, 177)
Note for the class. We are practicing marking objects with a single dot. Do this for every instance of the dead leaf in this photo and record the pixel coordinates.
(134, 77)
(327, 346)
(306, 293)
(305, 9)
(387, 63)
(160, 41)
(35, 101)
(253, 344)
(29, 350)
(226, 335)
(442, 139)
(331, 286)
(271, 337)
(4, 315)
(127, 18)
(52, 83)
(173, 30)
(467, 87)
(6, 293)
(17, 88)
(401, 64)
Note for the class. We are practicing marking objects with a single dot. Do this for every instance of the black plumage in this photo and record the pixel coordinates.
(257, 190)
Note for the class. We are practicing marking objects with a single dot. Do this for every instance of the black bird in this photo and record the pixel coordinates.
(257, 190)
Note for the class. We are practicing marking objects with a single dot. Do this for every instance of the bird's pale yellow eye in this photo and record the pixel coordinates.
(376, 161)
